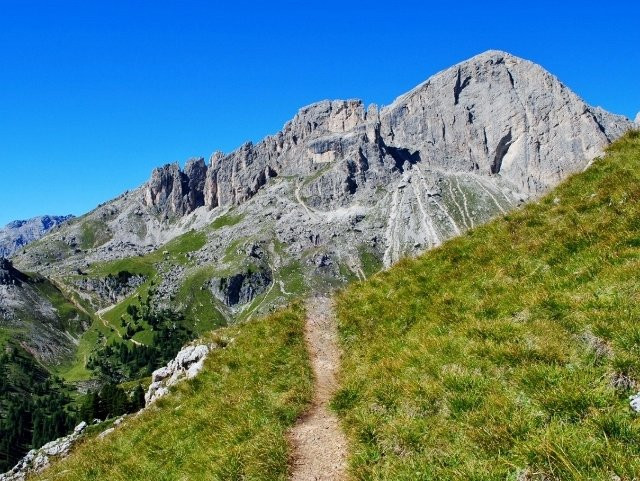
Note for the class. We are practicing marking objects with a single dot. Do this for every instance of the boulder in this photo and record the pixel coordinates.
(634, 402)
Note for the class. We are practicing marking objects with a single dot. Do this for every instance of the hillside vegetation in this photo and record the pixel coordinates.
(35, 407)
(507, 353)
(226, 424)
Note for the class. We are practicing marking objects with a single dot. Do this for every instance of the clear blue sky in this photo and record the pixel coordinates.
(94, 94)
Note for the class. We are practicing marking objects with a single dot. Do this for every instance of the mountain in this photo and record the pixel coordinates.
(39, 333)
(36, 313)
(506, 353)
(340, 191)
(17, 234)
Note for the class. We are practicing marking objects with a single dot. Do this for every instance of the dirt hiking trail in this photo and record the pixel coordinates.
(319, 448)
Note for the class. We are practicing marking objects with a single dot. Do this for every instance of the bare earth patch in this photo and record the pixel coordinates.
(318, 444)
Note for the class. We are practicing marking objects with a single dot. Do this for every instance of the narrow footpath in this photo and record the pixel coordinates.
(319, 448)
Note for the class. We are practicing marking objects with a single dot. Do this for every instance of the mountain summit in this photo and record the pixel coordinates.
(492, 114)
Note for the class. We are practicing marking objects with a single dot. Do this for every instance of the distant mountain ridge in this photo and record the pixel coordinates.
(19, 233)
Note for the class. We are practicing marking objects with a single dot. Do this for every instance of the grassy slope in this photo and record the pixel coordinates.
(493, 356)
(226, 424)
(176, 251)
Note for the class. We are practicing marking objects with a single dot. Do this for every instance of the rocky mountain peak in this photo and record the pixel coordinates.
(637, 120)
(216, 157)
(327, 116)
(494, 114)
(340, 178)
(172, 190)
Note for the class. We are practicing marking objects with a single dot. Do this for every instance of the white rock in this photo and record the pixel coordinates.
(195, 368)
(80, 427)
(186, 365)
(634, 402)
(160, 374)
(38, 459)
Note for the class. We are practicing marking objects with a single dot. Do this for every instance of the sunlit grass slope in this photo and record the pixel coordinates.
(228, 423)
(508, 353)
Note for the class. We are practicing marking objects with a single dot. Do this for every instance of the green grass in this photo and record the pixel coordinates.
(151, 265)
(226, 220)
(229, 423)
(292, 277)
(371, 263)
(175, 251)
(93, 233)
(494, 356)
(69, 315)
(76, 369)
(201, 308)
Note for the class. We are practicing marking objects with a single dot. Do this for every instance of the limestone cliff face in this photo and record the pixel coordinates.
(494, 115)
(171, 190)
(500, 115)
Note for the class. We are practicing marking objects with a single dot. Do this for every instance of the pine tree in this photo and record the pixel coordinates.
(137, 399)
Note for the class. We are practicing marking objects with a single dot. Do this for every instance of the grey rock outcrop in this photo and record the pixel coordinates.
(19, 233)
(187, 364)
(242, 287)
(170, 190)
(637, 120)
(111, 289)
(36, 460)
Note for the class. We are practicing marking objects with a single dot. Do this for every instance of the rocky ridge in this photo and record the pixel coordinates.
(494, 115)
(344, 187)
